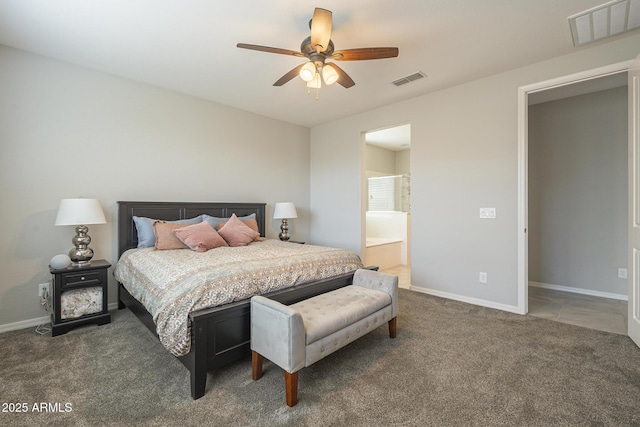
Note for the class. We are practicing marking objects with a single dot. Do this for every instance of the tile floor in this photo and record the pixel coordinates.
(603, 314)
(404, 275)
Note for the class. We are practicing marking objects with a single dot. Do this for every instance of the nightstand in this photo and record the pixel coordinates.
(79, 296)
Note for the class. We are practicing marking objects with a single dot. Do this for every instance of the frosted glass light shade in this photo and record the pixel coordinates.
(80, 212)
(285, 210)
(315, 83)
(329, 74)
(308, 71)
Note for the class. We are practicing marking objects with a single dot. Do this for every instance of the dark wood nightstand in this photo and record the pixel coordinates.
(76, 285)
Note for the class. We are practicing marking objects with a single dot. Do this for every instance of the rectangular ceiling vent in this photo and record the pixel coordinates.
(606, 20)
(408, 79)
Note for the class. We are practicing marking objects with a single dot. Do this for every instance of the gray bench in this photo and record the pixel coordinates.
(299, 335)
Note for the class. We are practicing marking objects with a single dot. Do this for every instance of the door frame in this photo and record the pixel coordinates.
(364, 196)
(523, 160)
(633, 314)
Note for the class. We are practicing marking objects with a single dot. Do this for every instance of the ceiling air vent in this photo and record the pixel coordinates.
(408, 79)
(606, 20)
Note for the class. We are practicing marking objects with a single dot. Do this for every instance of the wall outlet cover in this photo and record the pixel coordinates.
(43, 289)
(487, 213)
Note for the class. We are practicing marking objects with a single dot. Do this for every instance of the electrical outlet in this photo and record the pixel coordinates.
(622, 273)
(483, 278)
(43, 290)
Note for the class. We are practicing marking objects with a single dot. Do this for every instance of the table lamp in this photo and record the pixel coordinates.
(80, 212)
(284, 211)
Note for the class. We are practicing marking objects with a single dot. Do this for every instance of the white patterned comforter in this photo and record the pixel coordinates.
(173, 283)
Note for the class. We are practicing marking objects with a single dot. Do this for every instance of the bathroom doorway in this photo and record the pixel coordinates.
(388, 207)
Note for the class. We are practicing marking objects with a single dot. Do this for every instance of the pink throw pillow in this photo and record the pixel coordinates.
(200, 237)
(251, 223)
(237, 233)
(165, 238)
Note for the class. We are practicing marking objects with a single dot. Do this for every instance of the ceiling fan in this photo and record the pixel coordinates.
(318, 48)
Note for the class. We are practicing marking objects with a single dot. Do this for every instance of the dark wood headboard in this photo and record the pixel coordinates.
(170, 211)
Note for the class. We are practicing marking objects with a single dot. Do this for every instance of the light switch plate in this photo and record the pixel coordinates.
(487, 213)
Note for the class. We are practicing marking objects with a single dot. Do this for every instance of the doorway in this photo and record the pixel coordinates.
(567, 85)
(388, 201)
(577, 204)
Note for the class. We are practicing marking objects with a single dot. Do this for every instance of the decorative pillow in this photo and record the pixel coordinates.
(165, 237)
(200, 237)
(217, 223)
(146, 236)
(237, 233)
(251, 223)
(212, 220)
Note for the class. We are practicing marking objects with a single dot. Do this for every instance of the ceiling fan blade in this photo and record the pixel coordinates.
(269, 49)
(291, 74)
(365, 53)
(321, 29)
(343, 78)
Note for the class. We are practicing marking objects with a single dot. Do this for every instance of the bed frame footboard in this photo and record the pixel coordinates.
(222, 335)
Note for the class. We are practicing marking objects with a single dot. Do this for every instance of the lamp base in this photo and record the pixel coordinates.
(284, 231)
(81, 255)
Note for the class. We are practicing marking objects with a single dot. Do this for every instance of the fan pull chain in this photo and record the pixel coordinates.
(317, 93)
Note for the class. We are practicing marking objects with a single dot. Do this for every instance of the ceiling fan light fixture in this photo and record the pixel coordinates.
(318, 47)
(308, 72)
(315, 82)
(329, 74)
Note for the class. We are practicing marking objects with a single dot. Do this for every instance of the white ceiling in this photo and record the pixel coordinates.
(189, 46)
(397, 138)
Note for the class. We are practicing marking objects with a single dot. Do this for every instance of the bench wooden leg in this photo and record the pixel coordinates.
(291, 384)
(392, 327)
(256, 365)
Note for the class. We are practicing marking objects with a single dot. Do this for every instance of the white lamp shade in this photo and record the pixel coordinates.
(80, 212)
(285, 210)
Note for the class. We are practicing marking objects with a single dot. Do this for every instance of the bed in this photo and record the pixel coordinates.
(217, 335)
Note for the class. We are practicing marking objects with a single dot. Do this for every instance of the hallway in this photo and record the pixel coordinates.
(603, 314)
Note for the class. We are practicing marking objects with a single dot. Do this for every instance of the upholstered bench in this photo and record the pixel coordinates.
(299, 335)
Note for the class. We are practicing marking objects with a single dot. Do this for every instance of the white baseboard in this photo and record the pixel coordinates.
(469, 300)
(32, 323)
(23, 324)
(580, 291)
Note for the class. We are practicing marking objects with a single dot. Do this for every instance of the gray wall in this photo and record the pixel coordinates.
(386, 161)
(464, 156)
(66, 132)
(578, 191)
(403, 159)
(146, 143)
(380, 160)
